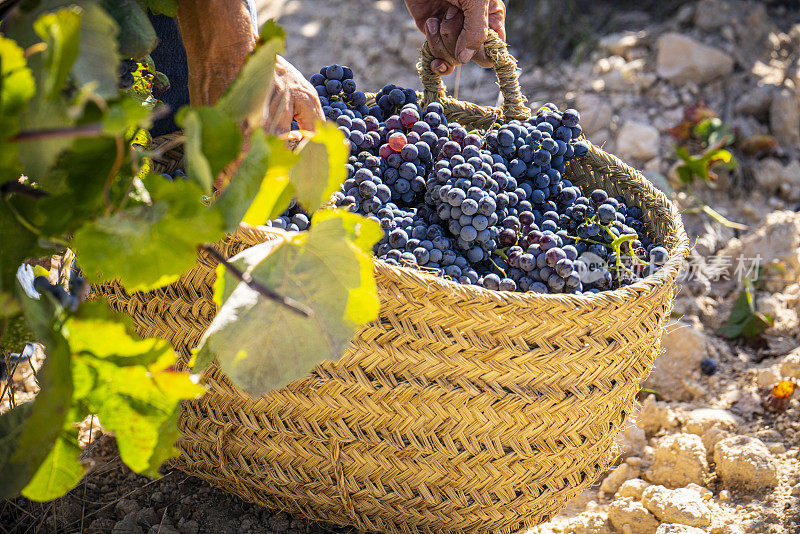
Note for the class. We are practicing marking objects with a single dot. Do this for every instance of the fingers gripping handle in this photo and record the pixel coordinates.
(505, 67)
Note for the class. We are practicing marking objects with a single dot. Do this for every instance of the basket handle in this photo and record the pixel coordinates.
(505, 67)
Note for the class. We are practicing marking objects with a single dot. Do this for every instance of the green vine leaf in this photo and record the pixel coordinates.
(246, 97)
(276, 191)
(149, 246)
(16, 79)
(249, 177)
(13, 252)
(12, 425)
(126, 114)
(329, 269)
(714, 133)
(129, 383)
(35, 431)
(61, 32)
(98, 331)
(700, 165)
(321, 169)
(60, 472)
(260, 189)
(745, 321)
(213, 140)
(76, 186)
(139, 37)
(162, 7)
(93, 73)
(139, 403)
(16, 89)
(98, 55)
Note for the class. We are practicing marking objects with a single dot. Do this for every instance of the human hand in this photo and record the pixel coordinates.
(292, 97)
(456, 29)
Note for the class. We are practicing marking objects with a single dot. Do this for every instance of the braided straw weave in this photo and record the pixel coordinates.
(458, 410)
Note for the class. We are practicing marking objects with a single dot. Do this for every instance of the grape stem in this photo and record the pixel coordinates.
(498, 267)
(255, 285)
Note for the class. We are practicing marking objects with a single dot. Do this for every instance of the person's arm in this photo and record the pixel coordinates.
(218, 36)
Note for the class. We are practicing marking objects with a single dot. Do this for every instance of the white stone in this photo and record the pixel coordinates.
(756, 101)
(680, 459)
(749, 403)
(784, 119)
(619, 44)
(655, 415)
(777, 448)
(713, 436)
(615, 478)
(682, 505)
(701, 420)
(596, 113)
(603, 139)
(676, 528)
(684, 347)
(631, 441)
(632, 488)
(776, 241)
(710, 15)
(636, 140)
(744, 462)
(790, 365)
(682, 59)
(589, 522)
(765, 377)
(705, 493)
(628, 515)
(775, 177)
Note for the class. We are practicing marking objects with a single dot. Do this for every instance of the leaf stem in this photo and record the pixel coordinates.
(22, 220)
(113, 173)
(255, 285)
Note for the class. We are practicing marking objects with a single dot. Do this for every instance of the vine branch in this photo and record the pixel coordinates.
(14, 187)
(255, 285)
(84, 130)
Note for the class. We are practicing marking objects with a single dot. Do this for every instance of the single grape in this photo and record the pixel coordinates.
(491, 281)
(397, 141)
(334, 72)
(659, 256)
(708, 366)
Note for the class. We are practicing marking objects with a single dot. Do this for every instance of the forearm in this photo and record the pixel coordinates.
(218, 36)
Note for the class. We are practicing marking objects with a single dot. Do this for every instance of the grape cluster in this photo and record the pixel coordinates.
(486, 208)
(177, 174)
(338, 93)
(295, 219)
(125, 72)
(390, 99)
(78, 289)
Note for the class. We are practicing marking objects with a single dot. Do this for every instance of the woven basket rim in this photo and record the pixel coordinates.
(666, 274)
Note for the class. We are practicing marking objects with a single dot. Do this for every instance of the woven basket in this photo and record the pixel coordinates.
(459, 409)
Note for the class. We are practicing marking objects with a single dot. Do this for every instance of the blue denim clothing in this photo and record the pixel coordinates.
(170, 58)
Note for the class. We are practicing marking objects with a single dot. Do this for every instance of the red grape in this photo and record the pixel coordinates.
(408, 117)
(385, 150)
(397, 141)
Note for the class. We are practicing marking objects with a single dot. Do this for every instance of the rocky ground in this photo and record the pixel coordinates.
(715, 454)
